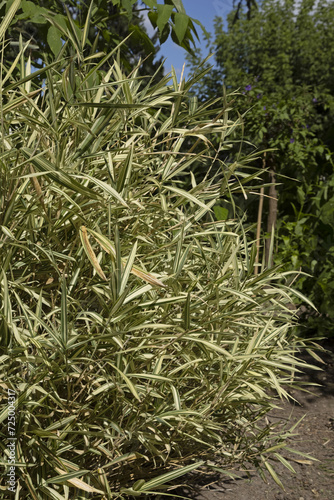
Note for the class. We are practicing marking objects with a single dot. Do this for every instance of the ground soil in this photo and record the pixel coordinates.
(313, 480)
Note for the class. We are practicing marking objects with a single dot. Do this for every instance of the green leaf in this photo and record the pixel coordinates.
(127, 5)
(221, 213)
(125, 171)
(188, 196)
(151, 3)
(153, 16)
(54, 40)
(177, 4)
(35, 13)
(73, 479)
(180, 25)
(127, 381)
(165, 33)
(273, 474)
(64, 313)
(61, 21)
(164, 14)
(52, 493)
(128, 268)
(327, 212)
(107, 189)
(186, 313)
(87, 25)
(285, 462)
(170, 476)
(176, 397)
(137, 34)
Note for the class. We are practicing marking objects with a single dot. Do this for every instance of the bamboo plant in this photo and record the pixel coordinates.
(139, 340)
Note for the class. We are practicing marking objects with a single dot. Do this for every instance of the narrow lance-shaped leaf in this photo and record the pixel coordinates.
(144, 275)
(170, 476)
(125, 171)
(87, 25)
(107, 189)
(63, 313)
(186, 313)
(128, 268)
(73, 479)
(90, 252)
(188, 196)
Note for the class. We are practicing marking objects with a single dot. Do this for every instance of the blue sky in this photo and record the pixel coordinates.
(203, 10)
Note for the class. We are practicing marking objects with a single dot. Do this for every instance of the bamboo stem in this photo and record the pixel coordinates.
(258, 231)
(259, 222)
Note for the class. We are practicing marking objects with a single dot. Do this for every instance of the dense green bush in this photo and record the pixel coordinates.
(138, 340)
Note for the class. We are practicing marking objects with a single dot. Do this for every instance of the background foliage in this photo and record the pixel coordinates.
(47, 24)
(276, 57)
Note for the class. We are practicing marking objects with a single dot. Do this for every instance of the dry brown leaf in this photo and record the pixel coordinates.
(90, 253)
(148, 277)
(303, 462)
